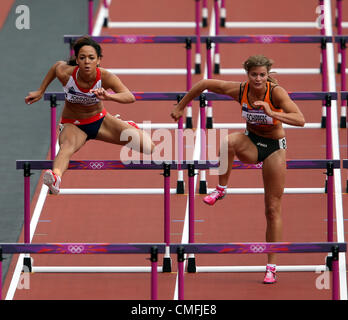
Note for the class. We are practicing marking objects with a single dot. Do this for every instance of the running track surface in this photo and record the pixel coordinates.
(238, 218)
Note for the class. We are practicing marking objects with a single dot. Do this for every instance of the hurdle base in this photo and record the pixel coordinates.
(209, 123)
(197, 68)
(27, 264)
(343, 123)
(222, 22)
(191, 265)
(204, 22)
(106, 23)
(323, 122)
(189, 123)
(203, 187)
(180, 187)
(217, 68)
(167, 264)
(328, 262)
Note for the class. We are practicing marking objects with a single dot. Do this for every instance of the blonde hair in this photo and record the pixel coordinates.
(260, 61)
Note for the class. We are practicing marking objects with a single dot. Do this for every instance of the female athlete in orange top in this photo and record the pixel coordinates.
(265, 106)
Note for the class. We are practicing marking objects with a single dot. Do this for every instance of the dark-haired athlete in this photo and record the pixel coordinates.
(84, 116)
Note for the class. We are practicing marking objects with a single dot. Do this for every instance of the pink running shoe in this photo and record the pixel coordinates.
(270, 276)
(52, 181)
(217, 194)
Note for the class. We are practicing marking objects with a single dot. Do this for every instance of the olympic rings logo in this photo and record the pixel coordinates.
(130, 39)
(96, 165)
(257, 248)
(266, 39)
(259, 165)
(76, 248)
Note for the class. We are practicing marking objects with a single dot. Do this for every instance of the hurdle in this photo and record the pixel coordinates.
(272, 39)
(180, 249)
(304, 96)
(139, 39)
(257, 248)
(89, 248)
(329, 165)
(96, 165)
(163, 24)
(269, 24)
(343, 71)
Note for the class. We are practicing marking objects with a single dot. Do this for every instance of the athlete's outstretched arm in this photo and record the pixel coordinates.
(35, 96)
(217, 86)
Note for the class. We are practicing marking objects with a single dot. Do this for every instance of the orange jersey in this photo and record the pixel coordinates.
(257, 116)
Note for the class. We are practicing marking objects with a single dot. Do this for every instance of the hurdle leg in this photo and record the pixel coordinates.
(203, 180)
(204, 14)
(181, 259)
(324, 78)
(154, 274)
(106, 16)
(188, 82)
(27, 174)
(330, 201)
(335, 274)
(222, 14)
(217, 32)
(343, 82)
(209, 122)
(180, 181)
(167, 264)
(198, 41)
(53, 104)
(191, 265)
(27, 265)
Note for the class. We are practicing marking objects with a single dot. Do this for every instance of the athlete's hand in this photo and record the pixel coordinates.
(100, 93)
(33, 97)
(265, 107)
(177, 113)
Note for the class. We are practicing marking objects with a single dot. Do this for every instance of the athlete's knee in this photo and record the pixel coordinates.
(231, 142)
(67, 148)
(148, 146)
(273, 209)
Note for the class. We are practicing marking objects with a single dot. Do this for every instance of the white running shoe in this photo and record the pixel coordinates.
(52, 181)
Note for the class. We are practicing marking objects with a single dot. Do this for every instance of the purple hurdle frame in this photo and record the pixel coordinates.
(180, 249)
(264, 247)
(327, 97)
(89, 248)
(166, 166)
(272, 39)
(330, 165)
(27, 166)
